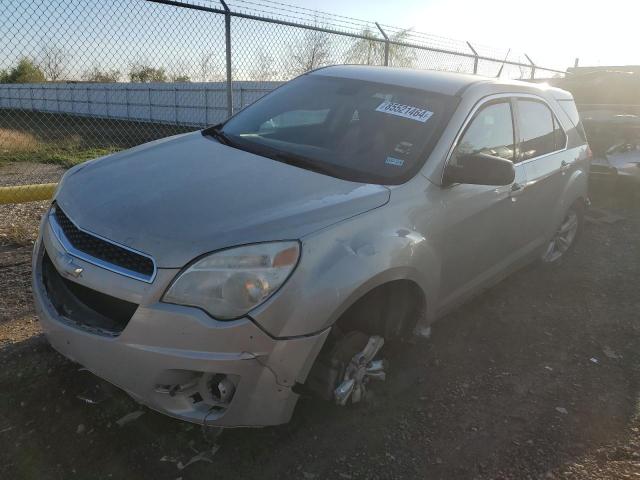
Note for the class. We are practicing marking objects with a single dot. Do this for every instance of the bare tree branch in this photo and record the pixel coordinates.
(367, 51)
(313, 51)
(263, 69)
(96, 74)
(53, 62)
(208, 68)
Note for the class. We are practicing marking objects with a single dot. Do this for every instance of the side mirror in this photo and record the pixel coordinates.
(480, 169)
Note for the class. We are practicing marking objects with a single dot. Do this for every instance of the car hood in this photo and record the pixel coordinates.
(184, 196)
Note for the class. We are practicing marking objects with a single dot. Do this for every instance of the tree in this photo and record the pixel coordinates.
(53, 61)
(181, 78)
(313, 51)
(140, 73)
(207, 67)
(368, 51)
(178, 72)
(96, 74)
(26, 71)
(263, 67)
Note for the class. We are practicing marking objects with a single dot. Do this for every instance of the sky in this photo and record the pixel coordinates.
(114, 34)
(550, 31)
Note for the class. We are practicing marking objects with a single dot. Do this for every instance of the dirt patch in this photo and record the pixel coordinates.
(15, 285)
(537, 378)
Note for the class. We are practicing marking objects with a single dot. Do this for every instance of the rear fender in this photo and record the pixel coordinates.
(576, 188)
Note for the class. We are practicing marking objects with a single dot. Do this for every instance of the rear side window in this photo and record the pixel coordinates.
(538, 129)
(571, 110)
(490, 132)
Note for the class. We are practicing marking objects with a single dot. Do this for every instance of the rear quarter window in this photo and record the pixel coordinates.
(569, 107)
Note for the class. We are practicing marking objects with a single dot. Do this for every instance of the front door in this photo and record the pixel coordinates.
(482, 232)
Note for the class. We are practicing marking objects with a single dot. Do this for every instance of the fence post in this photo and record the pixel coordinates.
(475, 58)
(533, 67)
(206, 105)
(175, 102)
(227, 37)
(386, 45)
(106, 100)
(126, 99)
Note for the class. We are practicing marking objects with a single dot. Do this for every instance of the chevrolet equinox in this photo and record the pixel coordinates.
(214, 275)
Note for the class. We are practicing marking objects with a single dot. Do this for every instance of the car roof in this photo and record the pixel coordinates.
(446, 83)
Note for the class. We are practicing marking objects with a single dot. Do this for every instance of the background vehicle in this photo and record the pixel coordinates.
(609, 104)
(352, 205)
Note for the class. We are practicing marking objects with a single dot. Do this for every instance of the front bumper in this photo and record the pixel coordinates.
(166, 347)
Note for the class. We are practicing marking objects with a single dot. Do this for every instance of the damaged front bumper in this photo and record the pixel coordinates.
(180, 361)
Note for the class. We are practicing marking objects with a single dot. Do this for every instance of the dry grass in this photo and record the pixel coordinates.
(17, 141)
(67, 139)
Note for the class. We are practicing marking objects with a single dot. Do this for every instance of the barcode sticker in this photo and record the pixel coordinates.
(396, 162)
(406, 111)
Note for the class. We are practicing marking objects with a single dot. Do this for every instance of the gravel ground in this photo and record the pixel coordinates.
(28, 173)
(536, 378)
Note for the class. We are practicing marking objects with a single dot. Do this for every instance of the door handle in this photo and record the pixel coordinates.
(564, 166)
(515, 190)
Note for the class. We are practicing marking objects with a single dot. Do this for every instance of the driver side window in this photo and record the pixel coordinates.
(490, 132)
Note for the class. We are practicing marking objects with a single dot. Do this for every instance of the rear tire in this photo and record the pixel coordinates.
(565, 237)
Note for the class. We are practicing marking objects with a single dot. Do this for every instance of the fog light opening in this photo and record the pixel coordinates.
(217, 390)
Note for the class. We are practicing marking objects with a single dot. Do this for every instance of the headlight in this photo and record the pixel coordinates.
(230, 283)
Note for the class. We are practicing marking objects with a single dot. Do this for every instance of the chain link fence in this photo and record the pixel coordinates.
(83, 78)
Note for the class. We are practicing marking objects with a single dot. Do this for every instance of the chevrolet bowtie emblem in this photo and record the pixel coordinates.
(68, 266)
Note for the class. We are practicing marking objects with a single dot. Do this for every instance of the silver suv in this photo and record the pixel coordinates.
(214, 275)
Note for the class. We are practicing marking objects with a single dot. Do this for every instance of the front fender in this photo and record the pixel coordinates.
(341, 264)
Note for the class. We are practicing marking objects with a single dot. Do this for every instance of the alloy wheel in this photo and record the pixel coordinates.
(563, 238)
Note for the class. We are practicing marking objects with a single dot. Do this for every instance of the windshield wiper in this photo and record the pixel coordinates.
(281, 156)
(301, 162)
(217, 133)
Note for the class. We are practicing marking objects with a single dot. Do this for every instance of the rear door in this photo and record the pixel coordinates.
(543, 153)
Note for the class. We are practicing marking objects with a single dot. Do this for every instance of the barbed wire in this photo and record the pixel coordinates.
(279, 10)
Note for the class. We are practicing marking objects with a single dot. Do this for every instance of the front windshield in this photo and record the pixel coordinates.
(350, 129)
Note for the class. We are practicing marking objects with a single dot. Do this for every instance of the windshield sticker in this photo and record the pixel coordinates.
(403, 148)
(406, 111)
(396, 162)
